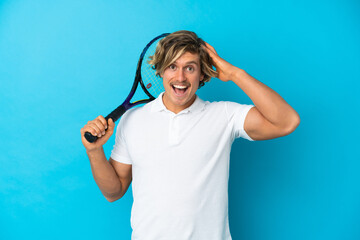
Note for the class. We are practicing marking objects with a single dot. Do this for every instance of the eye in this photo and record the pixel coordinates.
(172, 67)
(190, 68)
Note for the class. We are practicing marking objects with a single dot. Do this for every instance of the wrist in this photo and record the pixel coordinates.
(93, 151)
(236, 74)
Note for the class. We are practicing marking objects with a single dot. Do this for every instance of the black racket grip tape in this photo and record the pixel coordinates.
(117, 113)
(114, 115)
(90, 138)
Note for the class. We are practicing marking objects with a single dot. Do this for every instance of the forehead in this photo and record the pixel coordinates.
(188, 57)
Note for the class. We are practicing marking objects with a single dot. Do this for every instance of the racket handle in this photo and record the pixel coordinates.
(90, 138)
(114, 115)
(117, 113)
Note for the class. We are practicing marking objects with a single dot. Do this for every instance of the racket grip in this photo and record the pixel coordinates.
(117, 113)
(114, 115)
(90, 138)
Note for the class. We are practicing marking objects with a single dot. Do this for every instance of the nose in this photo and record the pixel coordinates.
(180, 75)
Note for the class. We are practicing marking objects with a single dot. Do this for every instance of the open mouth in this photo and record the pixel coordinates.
(179, 90)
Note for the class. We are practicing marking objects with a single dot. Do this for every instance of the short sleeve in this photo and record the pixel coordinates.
(236, 116)
(120, 151)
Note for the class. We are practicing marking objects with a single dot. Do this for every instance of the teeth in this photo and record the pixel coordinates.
(180, 87)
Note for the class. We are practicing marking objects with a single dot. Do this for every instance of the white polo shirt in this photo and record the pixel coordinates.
(180, 168)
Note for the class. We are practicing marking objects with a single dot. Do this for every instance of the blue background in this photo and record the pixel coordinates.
(62, 63)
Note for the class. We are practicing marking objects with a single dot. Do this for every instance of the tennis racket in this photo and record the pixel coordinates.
(145, 76)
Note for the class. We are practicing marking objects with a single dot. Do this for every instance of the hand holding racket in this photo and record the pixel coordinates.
(149, 82)
(100, 128)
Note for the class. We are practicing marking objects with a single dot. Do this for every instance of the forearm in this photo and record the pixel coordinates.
(104, 174)
(271, 105)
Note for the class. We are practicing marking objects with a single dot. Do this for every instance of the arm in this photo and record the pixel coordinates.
(112, 178)
(124, 172)
(272, 116)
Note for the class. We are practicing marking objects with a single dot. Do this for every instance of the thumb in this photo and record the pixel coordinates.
(111, 124)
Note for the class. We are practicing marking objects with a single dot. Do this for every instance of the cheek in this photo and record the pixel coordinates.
(166, 83)
(196, 80)
(196, 85)
(167, 76)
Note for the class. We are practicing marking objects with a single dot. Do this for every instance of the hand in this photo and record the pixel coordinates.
(97, 128)
(225, 70)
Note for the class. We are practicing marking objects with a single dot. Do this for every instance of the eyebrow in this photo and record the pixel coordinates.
(190, 62)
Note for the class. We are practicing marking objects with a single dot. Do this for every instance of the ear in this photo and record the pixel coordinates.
(201, 77)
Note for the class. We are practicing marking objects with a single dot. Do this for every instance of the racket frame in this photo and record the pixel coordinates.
(126, 105)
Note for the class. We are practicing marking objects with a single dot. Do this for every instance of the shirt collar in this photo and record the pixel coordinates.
(158, 105)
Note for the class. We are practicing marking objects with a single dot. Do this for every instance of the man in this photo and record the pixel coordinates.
(178, 159)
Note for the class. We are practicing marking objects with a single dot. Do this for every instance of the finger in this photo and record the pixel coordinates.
(210, 47)
(212, 54)
(100, 125)
(215, 58)
(110, 129)
(103, 120)
(111, 124)
(206, 47)
(89, 128)
(94, 129)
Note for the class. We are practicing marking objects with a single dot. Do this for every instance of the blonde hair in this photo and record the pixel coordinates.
(173, 46)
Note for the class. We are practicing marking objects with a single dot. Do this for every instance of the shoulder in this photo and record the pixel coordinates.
(214, 109)
(227, 108)
(216, 106)
(212, 104)
(134, 115)
(234, 106)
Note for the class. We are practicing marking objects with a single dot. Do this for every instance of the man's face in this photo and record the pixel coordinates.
(181, 80)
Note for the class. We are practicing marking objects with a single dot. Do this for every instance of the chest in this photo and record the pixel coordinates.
(170, 138)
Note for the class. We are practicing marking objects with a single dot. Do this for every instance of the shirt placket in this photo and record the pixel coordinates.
(174, 130)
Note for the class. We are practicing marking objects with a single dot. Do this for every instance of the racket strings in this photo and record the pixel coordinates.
(152, 83)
